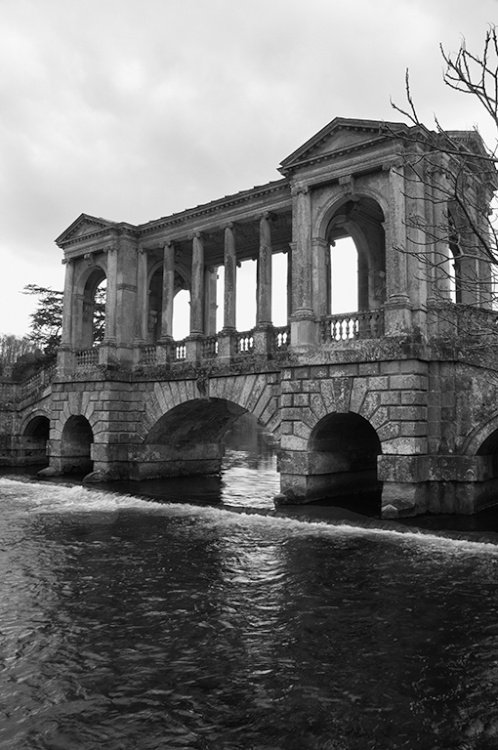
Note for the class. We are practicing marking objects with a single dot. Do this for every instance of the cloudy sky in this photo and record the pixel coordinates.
(134, 109)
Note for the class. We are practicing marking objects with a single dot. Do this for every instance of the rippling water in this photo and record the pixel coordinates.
(136, 624)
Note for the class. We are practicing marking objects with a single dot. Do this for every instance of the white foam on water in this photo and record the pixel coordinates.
(46, 498)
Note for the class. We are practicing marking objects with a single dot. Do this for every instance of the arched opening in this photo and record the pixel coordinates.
(343, 450)
(454, 263)
(209, 449)
(35, 440)
(93, 313)
(489, 448)
(355, 256)
(76, 443)
(343, 276)
(181, 307)
(181, 314)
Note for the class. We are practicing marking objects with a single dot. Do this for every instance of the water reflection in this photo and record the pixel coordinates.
(135, 624)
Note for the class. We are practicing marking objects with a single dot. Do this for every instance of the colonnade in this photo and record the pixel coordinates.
(202, 278)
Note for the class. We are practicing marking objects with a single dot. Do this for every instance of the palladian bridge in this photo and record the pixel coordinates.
(400, 394)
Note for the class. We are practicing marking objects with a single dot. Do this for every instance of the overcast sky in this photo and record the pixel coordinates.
(134, 109)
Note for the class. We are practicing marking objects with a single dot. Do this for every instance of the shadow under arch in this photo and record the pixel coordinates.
(35, 437)
(188, 439)
(76, 444)
(342, 460)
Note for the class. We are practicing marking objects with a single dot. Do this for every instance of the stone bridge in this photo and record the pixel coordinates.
(399, 395)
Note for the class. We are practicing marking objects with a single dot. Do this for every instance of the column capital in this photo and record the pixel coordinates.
(320, 242)
(299, 188)
(267, 215)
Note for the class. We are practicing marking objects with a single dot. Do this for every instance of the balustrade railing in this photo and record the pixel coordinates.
(87, 358)
(148, 355)
(245, 342)
(37, 382)
(281, 338)
(179, 350)
(365, 324)
(210, 347)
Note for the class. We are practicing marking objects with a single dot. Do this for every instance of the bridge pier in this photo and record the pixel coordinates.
(443, 484)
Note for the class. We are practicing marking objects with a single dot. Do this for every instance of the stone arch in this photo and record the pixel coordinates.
(185, 423)
(35, 433)
(76, 445)
(483, 435)
(342, 457)
(360, 217)
(187, 439)
(337, 463)
(254, 393)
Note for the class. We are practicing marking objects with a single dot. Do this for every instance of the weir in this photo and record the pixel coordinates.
(399, 395)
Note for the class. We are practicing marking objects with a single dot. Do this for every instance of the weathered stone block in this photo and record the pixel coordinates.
(408, 382)
(408, 413)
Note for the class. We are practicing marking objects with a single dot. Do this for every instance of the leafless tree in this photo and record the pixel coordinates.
(458, 232)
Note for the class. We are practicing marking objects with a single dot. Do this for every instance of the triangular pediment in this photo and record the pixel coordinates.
(84, 226)
(339, 136)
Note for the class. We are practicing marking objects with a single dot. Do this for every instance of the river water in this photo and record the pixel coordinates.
(133, 623)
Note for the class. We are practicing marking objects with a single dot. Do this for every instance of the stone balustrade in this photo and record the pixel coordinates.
(365, 324)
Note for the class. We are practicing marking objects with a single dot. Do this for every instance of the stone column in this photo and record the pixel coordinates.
(397, 307)
(107, 350)
(230, 291)
(67, 310)
(111, 295)
(227, 336)
(263, 292)
(168, 292)
(263, 334)
(303, 324)
(210, 300)
(142, 295)
(197, 287)
(65, 355)
(289, 284)
(194, 341)
(321, 276)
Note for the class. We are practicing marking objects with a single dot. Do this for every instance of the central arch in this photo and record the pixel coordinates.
(188, 439)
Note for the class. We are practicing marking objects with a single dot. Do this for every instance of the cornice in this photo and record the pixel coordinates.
(215, 207)
(332, 155)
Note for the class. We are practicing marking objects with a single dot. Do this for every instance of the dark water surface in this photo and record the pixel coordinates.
(131, 623)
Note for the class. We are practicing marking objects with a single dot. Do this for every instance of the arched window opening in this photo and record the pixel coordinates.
(181, 314)
(354, 258)
(343, 276)
(76, 442)
(94, 305)
(98, 325)
(246, 295)
(454, 263)
(279, 294)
